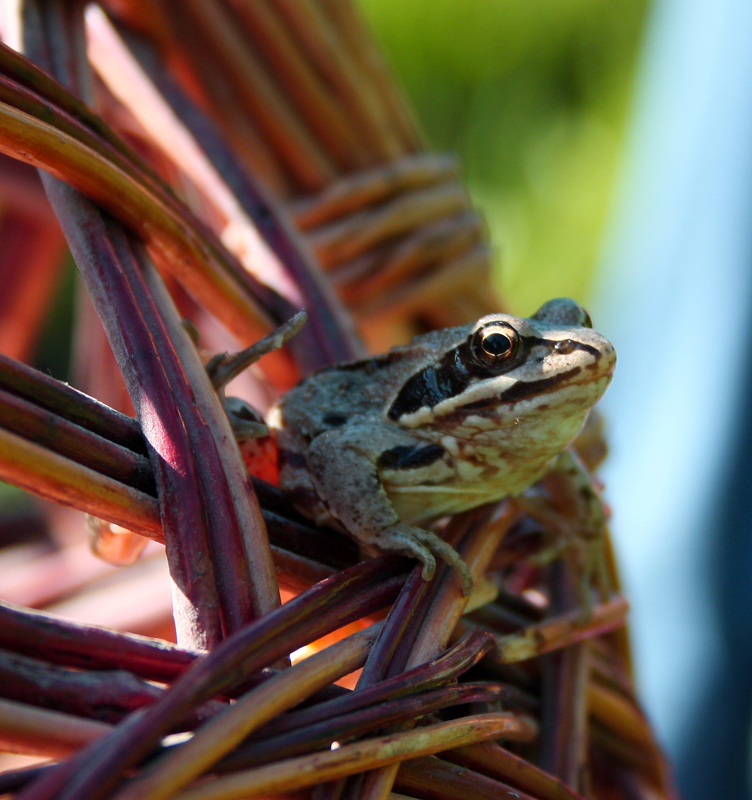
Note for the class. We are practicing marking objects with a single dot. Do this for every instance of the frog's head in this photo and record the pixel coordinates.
(504, 370)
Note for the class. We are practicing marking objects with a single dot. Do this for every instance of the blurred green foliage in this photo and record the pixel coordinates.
(534, 95)
(53, 354)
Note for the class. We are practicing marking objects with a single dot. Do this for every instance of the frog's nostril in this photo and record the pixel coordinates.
(565, 346)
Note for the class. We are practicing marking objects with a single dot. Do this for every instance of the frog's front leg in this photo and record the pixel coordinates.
(573, 510)
(342, 464)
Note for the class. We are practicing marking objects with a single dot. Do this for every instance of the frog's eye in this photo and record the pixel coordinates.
(586, 322)
(494, 344)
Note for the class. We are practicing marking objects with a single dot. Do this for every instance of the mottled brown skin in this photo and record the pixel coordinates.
(450, 421)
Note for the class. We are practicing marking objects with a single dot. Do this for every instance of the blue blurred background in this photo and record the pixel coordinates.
(609, 143)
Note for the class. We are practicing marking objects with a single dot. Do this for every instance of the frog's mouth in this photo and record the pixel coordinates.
(576, 386)
(524, 389)
(519, 390)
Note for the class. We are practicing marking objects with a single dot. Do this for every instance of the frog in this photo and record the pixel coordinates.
(381, 447)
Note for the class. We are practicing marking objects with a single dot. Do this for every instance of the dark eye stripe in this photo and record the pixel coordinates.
(430, 386)
(442, 381)
(479, 405)
(529, 388)
(406, 457)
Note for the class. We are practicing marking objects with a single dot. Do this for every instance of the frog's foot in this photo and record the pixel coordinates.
(245, 421)
(591, 568)
(573, 514)
(425, 546)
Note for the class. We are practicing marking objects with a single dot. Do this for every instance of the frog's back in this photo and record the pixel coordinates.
(328, 399)
(343, 395)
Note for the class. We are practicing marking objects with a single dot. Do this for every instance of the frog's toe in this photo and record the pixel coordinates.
(429, 566)
(596, 573)
(447, 554)
(591, 577)
(425, 546)
(402, 539)
(245, 421)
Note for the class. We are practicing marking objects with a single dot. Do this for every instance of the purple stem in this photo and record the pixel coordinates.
(328, 338)
(347, 727)
(329, 605)
(75, 644)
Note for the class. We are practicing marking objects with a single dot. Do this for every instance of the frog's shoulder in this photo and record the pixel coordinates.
(353, 392)
(328, 398)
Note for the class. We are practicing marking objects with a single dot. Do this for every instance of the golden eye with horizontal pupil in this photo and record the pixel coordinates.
(493, 344)
(496, 344)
